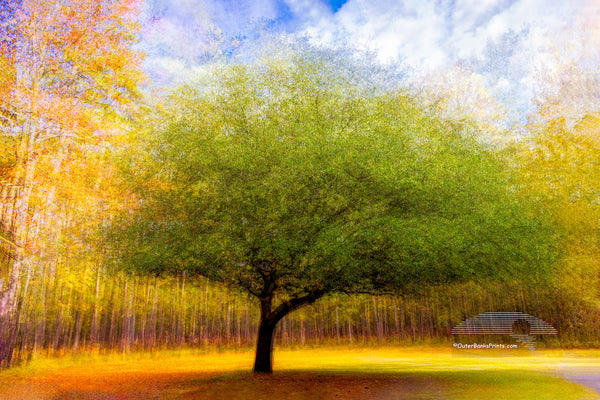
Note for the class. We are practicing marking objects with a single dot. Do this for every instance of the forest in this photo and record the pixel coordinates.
(298, 194)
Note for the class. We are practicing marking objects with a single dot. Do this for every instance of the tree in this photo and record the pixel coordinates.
(559, 165)
(292, 180)
(67, 73)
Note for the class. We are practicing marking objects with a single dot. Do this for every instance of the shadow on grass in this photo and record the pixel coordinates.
(300, 385)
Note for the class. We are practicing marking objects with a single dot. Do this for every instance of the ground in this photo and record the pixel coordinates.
(319, 373)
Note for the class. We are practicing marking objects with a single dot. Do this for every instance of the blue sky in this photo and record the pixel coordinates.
(509, 49)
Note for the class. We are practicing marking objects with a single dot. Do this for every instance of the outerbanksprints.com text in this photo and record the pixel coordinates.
(484, 346)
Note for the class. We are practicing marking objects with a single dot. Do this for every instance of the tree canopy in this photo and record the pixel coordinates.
(291, 181)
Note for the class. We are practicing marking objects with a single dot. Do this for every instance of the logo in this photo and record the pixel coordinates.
(517, 325)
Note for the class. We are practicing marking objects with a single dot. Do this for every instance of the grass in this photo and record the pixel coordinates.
(320, 373)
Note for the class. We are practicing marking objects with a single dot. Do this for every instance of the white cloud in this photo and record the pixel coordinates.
(507, 39)
(308, 10)
(178, 34)
(395, 30)
(507, 42)
(167, 70)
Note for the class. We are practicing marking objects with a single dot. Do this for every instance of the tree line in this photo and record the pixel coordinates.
(101, 313)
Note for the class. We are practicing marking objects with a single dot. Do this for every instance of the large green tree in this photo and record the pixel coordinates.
(291, 180)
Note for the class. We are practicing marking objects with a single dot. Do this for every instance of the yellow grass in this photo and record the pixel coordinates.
(322, 373)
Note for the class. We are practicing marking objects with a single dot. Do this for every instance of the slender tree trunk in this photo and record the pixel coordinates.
(228, 323)
(337, 324)
(182, 315)
(125, 343)
(78, 325)
(396, 325)
(152, 336)
(95, 326)
(350, 330)
(302, 331)
(238, 327)
(247, 327)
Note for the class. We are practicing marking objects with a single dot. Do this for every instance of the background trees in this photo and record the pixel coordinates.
(560, 167)
(291, 181)
(70, 72)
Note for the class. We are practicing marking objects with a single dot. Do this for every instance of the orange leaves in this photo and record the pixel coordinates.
(78, 49)
(73, 66)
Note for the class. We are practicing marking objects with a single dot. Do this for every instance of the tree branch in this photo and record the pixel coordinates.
(285, 308)
(246, 284)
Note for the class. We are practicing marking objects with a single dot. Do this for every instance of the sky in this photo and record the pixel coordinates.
(503, 51)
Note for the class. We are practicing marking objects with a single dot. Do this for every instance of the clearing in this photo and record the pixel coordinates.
(318, 373)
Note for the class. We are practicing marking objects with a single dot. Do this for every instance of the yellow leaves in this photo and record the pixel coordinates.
(75, 67)
(589, 128)
(561, 167)
(200, 188)
(6, 76)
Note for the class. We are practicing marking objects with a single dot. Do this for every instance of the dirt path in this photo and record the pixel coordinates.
(588, 376)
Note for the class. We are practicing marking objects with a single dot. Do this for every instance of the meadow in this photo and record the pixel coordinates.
(433, 372)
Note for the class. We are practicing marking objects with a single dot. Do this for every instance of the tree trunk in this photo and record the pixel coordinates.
(263, 362)
(269, 318)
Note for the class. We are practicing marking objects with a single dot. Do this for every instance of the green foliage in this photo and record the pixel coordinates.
(284, 173)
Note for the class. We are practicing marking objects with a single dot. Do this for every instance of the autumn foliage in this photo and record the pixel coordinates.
(69, 76)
